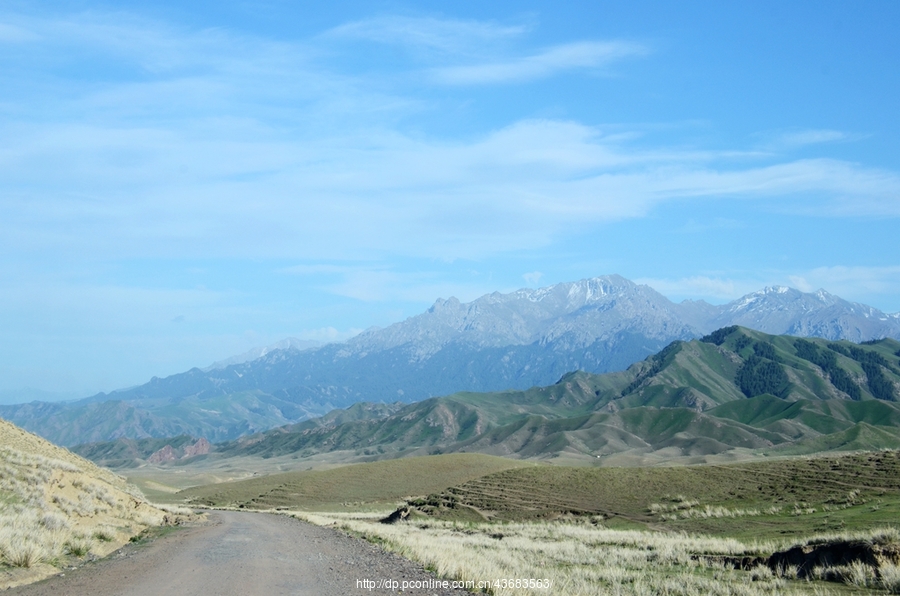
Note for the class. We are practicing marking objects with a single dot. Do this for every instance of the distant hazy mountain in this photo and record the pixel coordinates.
(499, 341)
(290, 343)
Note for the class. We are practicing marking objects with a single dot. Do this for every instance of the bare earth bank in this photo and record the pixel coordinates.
(242, 553)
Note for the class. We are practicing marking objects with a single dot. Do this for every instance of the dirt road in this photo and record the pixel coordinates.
(241, 554)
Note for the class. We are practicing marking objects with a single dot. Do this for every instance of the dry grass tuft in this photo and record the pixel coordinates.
(889, 576)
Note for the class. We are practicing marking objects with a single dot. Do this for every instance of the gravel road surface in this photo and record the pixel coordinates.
(241, 554)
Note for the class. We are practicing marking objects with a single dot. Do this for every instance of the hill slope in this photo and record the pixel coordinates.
(56, 506)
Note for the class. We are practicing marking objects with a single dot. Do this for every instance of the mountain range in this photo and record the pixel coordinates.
(732, 390)
(499, 341)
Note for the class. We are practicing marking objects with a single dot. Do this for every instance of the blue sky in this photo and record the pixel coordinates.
(180, 182)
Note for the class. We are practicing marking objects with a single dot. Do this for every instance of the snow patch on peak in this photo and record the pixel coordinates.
(775, 290)
(538, 294)
(586, 290)
(746, 301)
(754, 297)
(596, 288)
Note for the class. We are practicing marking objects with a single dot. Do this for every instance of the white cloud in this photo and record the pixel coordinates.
(810, 137)
(199, 191)
(238, 147)
(579, 55)
(533, 278)
(241, 147)
(452, 36)
(782, 141)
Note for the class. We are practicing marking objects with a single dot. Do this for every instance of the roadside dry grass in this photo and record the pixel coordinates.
(56, 507)
(587, 559)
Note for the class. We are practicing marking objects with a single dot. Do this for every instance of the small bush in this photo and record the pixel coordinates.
(105, 535)
(859, 574)
(24, 553)
(889, 576)
(78, 547)
(761, 573)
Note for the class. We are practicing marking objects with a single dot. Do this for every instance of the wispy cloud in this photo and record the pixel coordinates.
(486, 49)
(561, 58)
(810, 137)
(219, 144)
(532, 278)
(451, 36)
(795, 139)
(197, 191)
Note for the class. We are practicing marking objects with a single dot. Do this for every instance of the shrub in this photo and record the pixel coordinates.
(889, 577)
(78, 546)
(105, 534)
(24, 553)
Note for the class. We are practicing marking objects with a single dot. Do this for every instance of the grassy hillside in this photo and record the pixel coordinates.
(56, 508)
